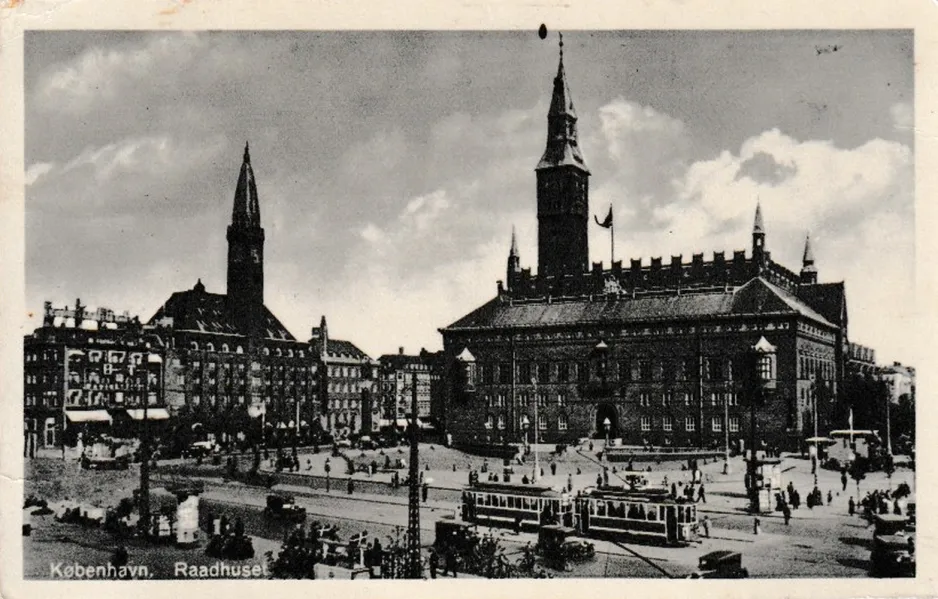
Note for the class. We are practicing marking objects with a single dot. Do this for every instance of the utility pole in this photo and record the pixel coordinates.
(414, 566)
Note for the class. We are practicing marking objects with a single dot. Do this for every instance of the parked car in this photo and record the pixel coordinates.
(200, 449)
(721, 564)
(367, 442)
(284, 507)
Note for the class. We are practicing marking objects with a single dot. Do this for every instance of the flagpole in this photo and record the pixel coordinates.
(612, 240)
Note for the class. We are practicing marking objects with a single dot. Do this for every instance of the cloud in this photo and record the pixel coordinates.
(36, 171)
(902, 116)
(77, 85)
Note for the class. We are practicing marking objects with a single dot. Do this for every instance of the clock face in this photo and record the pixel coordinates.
(256, 255)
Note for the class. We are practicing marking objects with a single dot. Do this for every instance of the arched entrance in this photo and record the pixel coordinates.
(606, 412)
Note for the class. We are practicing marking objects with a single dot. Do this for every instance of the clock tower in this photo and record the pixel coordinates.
(562, 190)
(245, 299)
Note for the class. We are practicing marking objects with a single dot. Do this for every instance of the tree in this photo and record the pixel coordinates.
(858, 471)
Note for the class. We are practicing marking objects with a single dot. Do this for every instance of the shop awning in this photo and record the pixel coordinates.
(88, 416)
(152, 414)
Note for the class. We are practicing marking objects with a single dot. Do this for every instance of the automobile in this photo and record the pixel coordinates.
(200, 449)
(721, 564)
(343, 443)
(893, 556)
(284, 507)
(366, 442)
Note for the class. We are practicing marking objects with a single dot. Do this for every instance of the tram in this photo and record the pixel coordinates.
(617, 513)
(648, 516)
(508, 505)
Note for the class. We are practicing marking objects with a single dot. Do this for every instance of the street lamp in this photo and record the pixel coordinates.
(525, 423)
(606, 426)
(763, 378)
(537, 424)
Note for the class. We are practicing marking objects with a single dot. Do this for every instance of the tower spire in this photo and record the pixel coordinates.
(759, 255)
(562, 189)
(808, 270)
(514, 261)
(245, 292)
(758, 226)
(514, 244)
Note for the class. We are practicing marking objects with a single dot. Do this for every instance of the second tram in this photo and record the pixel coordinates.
(645, 516)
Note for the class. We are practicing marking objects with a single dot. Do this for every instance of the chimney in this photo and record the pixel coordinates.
(400, 350)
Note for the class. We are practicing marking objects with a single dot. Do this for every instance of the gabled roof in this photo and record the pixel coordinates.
(344, 349)
(757, 297)
(198, 310)
(828, 299)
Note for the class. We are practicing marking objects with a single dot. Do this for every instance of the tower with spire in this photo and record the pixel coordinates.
(245, 294)
(808, 270)
(562, 189)
(759, 254)
(514, 261)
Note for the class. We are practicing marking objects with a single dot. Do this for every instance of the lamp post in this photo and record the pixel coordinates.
(525, 423)
(726, 432)
(144, 521)
(762, 376)
(537, 424)
(606, 425)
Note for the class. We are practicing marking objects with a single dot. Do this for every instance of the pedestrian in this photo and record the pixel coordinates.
(701, 494)
(786, 513)
(451, 562)
(843, 479)
(830, 497)
(599, 480)
(673, 491)
(553, 468)
(569, 482)
(705, 524)
(351, 485)
(434, 563)
(851, 506)
(425, 491)
(517, 525)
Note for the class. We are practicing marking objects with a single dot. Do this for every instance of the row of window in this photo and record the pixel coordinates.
(690, 424)
(815, 367)
(680, 369)
(225, 348)
(498, 422)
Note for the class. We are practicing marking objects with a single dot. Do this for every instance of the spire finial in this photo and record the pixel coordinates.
(808, 258)
(561, 46)
(247, 153)
(757, 225)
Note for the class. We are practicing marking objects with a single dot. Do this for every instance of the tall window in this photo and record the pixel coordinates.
(667, 397)
(501, 422)
(667, 424)
(583, 372)
(542, 399)
(690, 425)
(562, 422)
(686, 398)
(734, 424)
(625, 371)
(561, 399)
(716, 424)
(563, 372)
(489, 421)
(766, 367)
(504, 373)
(646, 423)
(542, 422)
(524, 372)
(644, 399)
(543, 372)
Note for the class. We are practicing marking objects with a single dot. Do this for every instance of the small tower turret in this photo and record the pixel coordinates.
(759, 255)
(514, 261)
(808, 270)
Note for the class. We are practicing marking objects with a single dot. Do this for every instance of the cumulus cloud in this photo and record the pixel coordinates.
(100, 73)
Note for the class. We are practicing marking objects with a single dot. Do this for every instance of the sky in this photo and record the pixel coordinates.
(391, 166)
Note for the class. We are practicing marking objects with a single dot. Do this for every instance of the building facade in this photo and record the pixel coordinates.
(398, 374)
(89, 372)
(652, 353)
(348, 382)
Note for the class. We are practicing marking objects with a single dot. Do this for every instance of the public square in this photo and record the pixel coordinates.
(820, 542)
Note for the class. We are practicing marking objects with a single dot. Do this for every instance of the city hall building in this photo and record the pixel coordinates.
(652, 352)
